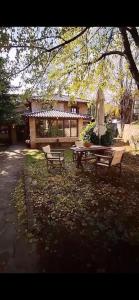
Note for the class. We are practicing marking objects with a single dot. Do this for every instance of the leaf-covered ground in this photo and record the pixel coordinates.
(84, 223)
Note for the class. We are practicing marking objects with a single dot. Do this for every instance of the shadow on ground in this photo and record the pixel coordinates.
(84, 222)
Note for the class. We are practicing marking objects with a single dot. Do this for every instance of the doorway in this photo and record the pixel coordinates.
(21, 133)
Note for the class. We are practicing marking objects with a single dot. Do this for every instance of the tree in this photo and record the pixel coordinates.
(111, 110)
(126, 108)
(128, 52)
(6, 102)
(71, 57)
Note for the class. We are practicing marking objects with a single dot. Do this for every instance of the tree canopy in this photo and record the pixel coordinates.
(75, 59)
(6, 102)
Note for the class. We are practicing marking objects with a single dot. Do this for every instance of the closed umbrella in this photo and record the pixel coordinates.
(100, 114)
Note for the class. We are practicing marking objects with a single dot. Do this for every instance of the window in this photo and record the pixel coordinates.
(52, 128)
(74, 109)
(56, 128)
(73, 126)
(42, 128)
(60, 128)
(66, 127)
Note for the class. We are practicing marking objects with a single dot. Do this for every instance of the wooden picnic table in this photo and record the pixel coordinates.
(94, 148)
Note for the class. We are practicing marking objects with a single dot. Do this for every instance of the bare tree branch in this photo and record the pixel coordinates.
(106, 54)
(134, 33)
(97, 59)
(129, 29)
(44, 49)
(128, 55)
(109, 40)
(51, 49)
(110, 53)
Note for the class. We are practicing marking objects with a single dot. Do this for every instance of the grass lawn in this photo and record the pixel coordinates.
(84, 223)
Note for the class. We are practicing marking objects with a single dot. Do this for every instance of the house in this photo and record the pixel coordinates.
(57, 122)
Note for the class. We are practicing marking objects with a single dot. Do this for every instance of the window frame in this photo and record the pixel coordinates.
(59, 119)
(74, 107)
(74, 127)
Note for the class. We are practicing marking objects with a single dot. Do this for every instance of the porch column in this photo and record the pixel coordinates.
(80, 126)
(32, 129)
(13, 134)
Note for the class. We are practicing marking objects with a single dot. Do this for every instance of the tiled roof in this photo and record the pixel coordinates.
(67, 98)
(56, 114)
(63, 98)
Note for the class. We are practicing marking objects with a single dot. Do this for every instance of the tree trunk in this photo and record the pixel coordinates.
(128, 54)
(135, 35)
(126, 108)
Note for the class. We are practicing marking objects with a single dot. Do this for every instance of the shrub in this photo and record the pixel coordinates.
(85, 135)
(107, 138)
(89, 135)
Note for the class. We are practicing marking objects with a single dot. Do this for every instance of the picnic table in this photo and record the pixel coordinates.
(94, 149)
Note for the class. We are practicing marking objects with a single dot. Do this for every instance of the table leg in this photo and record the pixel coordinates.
(79, 159)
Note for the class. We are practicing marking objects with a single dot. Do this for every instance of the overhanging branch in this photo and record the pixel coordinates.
(28, 65)
(134, 33)
(129, 56)
(106, 54)
(51, 49)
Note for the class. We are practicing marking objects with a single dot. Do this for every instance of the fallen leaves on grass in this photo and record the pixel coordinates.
(19, 202)
(77, 213)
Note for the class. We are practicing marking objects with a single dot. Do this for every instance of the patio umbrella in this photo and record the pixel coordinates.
(100, 114)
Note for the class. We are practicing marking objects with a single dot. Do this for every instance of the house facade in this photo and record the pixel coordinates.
(56, 122)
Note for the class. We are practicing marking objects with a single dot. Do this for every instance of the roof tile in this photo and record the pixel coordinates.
(56, 114)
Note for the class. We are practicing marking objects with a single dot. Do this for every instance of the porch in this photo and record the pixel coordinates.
(55, 127)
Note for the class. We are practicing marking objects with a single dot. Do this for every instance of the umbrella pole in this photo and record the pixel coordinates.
(99, 137)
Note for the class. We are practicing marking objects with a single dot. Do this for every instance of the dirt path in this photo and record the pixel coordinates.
(15, 254)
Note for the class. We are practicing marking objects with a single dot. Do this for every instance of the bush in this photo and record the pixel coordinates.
(107, 138)
(89, 135)
(85, 135)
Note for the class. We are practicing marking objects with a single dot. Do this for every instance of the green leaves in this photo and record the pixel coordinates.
(72, 65)
(7, 103)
